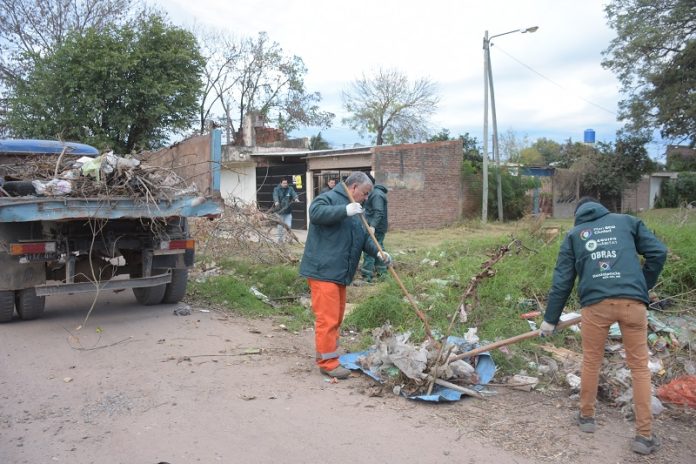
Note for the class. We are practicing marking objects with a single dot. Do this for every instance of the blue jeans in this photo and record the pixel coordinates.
(280, 230)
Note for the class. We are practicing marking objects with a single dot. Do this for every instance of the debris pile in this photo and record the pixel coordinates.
(244, 231)
(407, 367)
(104, 176)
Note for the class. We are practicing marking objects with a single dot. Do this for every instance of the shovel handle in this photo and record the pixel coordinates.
(419, 313)
(511, 340)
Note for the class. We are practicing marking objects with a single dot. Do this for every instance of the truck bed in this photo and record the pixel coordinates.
(24, 209)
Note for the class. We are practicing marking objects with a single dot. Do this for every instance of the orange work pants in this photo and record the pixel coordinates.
(632, 317)
(328, 305)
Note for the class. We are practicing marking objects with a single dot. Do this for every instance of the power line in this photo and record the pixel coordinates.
(557, 84)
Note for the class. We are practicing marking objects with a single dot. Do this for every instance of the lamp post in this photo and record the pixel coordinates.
(488, 84)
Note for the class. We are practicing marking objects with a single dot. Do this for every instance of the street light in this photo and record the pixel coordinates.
(488, 84)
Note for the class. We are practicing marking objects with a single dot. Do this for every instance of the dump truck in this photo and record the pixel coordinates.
(95, 222)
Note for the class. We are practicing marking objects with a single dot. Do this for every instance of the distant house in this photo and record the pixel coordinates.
(426, 188)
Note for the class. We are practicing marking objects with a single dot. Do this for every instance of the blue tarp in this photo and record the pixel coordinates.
(485, 368)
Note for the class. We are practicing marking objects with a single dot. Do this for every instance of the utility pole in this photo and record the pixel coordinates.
(488, 82)
(484, 199)
(496, 148)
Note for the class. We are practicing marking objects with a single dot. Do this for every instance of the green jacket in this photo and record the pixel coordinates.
(602, 250)
(376, 209)
(335, 241)
(284, 197)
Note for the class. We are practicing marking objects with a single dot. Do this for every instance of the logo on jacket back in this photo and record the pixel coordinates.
(604, 266)
(591, 245)
(585, 234)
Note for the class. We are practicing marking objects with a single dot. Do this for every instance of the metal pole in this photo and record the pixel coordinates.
(496, 149)
(484, 196)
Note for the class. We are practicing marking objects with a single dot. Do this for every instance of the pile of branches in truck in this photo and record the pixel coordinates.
(106, 175)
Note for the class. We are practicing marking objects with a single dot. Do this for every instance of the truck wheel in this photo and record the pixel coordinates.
(7, 305)
(149, 296)
(176, 289)
(29, 306)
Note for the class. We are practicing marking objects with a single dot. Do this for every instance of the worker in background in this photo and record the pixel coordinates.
(377, 218)
(283, 197)
(335, 240)
(330, 184)
(602, 251)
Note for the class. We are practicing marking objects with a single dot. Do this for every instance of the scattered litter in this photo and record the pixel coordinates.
(282, 327)
(67, 379)
(429, 262)
(52, 188)
(569, 316)
(182, 310)
(261, 296)
(656, 406)
(470, 335)
(530, 315)
(247, 397)
(532, 325)
(523, 382)
(204, 310)
(573, 381)
(330, 380)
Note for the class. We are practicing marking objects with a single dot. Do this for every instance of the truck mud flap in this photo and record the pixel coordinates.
(116, 284)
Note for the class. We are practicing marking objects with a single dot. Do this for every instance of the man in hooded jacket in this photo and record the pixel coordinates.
(603, 250)
(335, 240)
(376, 214)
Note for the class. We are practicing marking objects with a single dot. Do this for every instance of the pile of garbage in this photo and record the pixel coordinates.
(107, 175)
(407, 367)
(671, 339)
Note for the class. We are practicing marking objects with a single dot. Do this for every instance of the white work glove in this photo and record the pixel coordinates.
(384, 256)
(547, 329)
(353, 208)
(277, 204)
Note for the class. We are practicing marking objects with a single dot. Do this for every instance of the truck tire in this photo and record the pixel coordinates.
(149, 296)
(29, 306)
(176, 289)
(7, 305)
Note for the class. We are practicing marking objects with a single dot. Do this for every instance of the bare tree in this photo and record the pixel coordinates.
(387, 105)
(31, 28)
(254, 74)
(221, 52)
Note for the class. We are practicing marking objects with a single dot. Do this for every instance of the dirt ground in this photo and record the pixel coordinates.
(141, 385)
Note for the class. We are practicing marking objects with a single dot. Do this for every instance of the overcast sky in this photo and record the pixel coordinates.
(547, 84)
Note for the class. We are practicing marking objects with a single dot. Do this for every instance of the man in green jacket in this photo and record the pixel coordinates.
(283, 198)
(376, 214)
(335, 240)
(602, 251)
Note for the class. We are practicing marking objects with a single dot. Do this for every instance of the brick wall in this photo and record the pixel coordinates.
(636, 197)
(424, 182)
(189, 158)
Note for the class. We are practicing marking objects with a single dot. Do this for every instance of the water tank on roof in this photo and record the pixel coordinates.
(589, 136)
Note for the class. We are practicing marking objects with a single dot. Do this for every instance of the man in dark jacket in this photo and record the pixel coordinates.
(283, 197)
(376, 214)
(330, 184)
(602, 251)
(335, 240)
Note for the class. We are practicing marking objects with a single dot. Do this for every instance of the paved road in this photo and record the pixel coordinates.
(140, 385)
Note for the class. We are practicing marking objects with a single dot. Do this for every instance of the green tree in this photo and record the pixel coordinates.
(654, 55)
(317, 142)
(531, 156)
(125, 87)
(387, 105)
(607, 171)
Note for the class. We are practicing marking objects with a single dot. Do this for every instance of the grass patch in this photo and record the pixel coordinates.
(436, 267)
